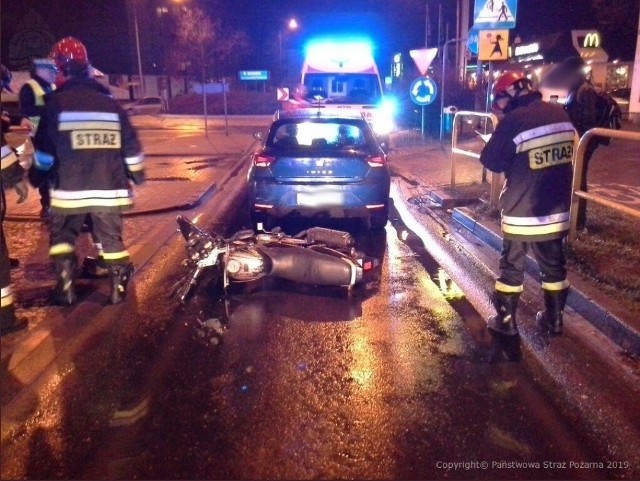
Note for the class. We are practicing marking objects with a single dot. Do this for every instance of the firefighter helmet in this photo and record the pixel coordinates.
(68, 54)
(508, 85)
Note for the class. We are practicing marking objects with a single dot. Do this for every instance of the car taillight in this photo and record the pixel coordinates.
(261, 160)
(376, 161)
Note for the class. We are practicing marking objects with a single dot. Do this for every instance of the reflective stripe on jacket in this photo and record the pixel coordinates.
(38, 96)
(9, 157)
(38, 91)
(87, 144)
(533, 145)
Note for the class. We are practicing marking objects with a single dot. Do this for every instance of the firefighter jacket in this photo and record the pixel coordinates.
(533, 145)
(32, 98)
(87, 144)
(11, 172)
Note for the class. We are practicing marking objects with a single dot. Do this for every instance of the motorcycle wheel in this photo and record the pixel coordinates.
(184, 289)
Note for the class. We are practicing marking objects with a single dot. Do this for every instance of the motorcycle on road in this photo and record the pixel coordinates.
(315, 256)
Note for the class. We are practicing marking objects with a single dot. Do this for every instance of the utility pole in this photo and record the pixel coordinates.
(634, 104)
(204, 92)
(135, 22)
(461, 31)
(426, 24)
(439, 25)
(444, 62)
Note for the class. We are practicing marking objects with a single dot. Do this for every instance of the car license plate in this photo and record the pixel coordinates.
(319, 198)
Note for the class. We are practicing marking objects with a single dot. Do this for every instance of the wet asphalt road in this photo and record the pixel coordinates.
(395, 380)
(384, 383)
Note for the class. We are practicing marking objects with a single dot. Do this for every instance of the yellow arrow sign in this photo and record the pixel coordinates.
(493, 45)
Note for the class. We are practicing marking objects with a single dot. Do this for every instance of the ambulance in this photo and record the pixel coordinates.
(342, 74)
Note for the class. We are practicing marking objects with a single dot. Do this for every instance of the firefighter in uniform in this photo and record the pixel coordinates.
(91, 152)
(31, 97)
(533, 146)
(11, 175)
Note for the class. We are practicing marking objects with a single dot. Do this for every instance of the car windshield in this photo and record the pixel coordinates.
(305, 135)
(343, 88)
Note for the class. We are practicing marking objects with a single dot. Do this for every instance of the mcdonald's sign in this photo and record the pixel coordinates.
(591, 40)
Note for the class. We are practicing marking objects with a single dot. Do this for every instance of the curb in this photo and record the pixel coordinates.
(447, 201)
(134, 213)
(131, 213)
(599, 398)
(625, 336)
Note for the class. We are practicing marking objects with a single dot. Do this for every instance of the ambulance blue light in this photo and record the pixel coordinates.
(320, 50)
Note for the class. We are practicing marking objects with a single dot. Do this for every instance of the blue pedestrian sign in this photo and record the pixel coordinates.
(472, 40)
(423, 91)
(494, 14)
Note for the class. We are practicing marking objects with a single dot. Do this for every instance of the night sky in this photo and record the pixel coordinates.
(395, 25)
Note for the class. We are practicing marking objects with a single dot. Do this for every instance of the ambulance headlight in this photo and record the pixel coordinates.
(384, 122)
(389, 106)
(383, 125)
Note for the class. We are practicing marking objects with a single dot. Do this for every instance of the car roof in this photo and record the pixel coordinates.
(319, 112)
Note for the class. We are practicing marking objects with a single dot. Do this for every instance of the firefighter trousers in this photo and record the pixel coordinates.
(106, 228)
(5, 276)
(549, 256)
(6, 297)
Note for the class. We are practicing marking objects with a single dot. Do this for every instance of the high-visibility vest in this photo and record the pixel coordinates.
(38, 94)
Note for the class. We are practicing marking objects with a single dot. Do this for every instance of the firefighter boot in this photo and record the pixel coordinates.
(94, 267)
(120, 275)
(504, 322)
(9, 322)
(551, 317)
(64, 294)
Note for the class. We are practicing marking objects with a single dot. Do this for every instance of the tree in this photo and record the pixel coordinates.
(203, 48)
(618, 23)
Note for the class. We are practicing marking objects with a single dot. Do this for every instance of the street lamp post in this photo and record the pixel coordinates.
(444, 61)
(135, 22)
(292, 24)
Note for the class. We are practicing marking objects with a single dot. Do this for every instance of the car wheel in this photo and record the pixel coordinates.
(385, 142)
(379, 221)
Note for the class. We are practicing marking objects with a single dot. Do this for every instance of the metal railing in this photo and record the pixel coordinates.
(444, 63)
(496, 179)
(577, 195)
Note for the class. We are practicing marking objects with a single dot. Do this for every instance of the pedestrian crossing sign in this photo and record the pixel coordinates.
(493, 45)
(495, 14)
